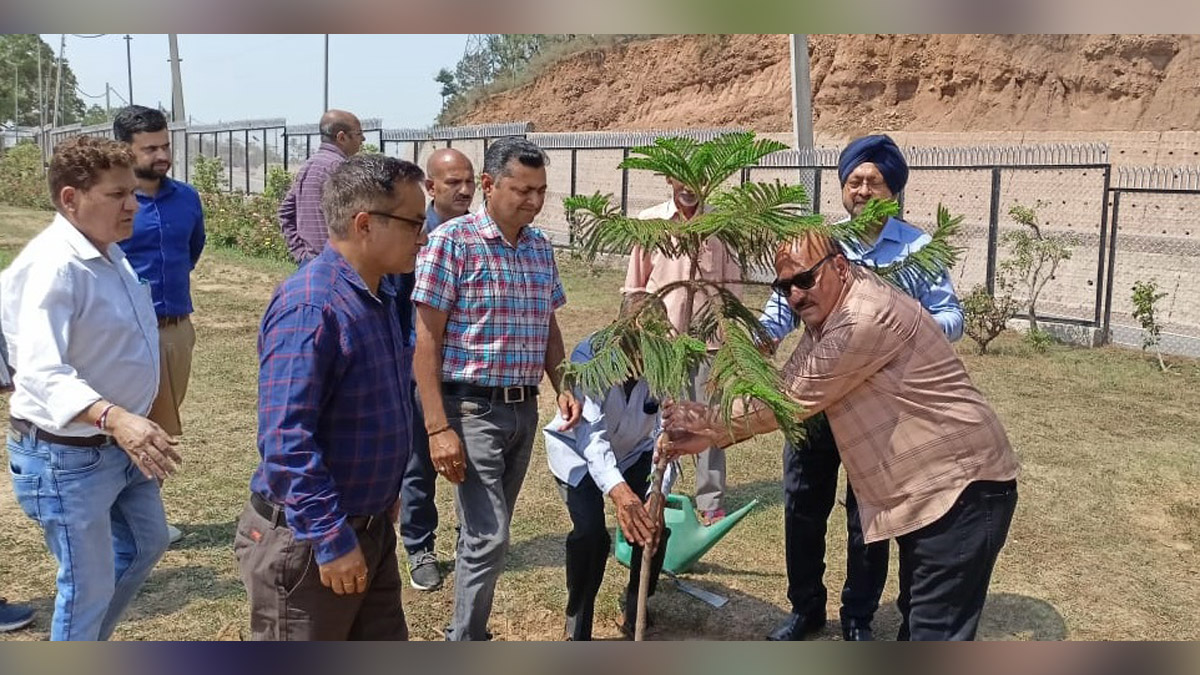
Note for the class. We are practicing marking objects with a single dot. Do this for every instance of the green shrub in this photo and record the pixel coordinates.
(22, 181)
(248, 223)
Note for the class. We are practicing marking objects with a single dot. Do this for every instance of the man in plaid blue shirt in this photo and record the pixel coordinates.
(316, 545)
(487, 289)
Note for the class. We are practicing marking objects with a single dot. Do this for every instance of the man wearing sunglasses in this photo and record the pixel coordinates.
(869, 167)
(300, 215)
(925, 453)
(316, 544)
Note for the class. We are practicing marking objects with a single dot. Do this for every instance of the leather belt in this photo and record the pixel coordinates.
(516, 394)
(273, 513)
(28, 429)
(164, 321)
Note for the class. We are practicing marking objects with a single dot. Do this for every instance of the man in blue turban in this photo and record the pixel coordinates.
(869, 167)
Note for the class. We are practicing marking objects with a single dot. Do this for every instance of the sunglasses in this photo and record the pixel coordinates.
(803, 280)
(419, 224)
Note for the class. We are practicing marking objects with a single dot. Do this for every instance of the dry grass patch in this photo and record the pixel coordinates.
(1103, 546)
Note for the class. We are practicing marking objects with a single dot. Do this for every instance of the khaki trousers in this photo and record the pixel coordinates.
(175, 344)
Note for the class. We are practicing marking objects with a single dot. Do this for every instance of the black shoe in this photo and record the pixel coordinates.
(798, 626)
(857, 632)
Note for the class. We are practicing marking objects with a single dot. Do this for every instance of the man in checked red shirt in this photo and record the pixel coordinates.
(486, 293)
(316, 545)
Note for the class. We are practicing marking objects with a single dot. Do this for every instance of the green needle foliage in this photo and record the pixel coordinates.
(751, 220)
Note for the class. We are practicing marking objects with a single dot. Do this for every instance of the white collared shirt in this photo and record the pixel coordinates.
(79, 327)
(610, 437)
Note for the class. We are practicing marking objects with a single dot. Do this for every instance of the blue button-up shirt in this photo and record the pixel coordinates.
(896, 241)
(168, 237)
(334, 402)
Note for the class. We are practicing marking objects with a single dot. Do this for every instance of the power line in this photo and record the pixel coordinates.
(85, 94)
(89, 37)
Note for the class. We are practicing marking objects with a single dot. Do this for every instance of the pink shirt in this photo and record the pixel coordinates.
(650, 271)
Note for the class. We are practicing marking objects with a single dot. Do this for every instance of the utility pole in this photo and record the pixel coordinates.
(41, 102)
(177, 112)
(802, 116)
(107, 102)
(62, 50)
(129, 65)
(16, 93)
(326, 103)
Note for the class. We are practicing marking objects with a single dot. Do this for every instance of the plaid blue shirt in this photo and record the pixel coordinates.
(499, 299)
(334, 402)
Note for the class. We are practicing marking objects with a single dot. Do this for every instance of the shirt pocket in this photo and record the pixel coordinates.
(480, 291)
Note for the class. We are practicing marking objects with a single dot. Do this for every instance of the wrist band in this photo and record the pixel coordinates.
(102, 420)
(435, 432)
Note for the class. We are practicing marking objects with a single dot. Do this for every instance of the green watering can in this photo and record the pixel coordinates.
(690, 539)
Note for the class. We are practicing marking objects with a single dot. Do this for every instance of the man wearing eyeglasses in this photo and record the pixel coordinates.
(869, 167)
(925, 453)
(300, 215)
(316, 544)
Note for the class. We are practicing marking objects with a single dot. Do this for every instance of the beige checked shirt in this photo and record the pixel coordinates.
(911, 429)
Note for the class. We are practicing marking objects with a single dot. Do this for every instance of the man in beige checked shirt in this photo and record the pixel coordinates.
(925, 453)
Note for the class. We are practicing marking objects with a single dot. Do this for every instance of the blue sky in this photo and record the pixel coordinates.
(233, 77)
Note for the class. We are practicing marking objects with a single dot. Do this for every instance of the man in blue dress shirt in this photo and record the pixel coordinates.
(316, 544)
(869, 167)
(168, 237)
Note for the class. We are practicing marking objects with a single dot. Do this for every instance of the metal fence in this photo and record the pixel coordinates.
(247, 150)
(1137, 224)
(1156, 215)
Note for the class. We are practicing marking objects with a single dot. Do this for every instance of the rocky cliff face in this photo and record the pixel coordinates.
(870, 82)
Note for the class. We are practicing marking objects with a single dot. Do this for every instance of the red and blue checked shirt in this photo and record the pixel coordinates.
(300, 216)
(499, 299)
(334, 402)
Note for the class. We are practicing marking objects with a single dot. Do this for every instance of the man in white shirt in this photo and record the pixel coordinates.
(609, 453)
(83, 340)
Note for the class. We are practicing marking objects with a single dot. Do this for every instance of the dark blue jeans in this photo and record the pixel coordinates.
(809, 490)
(418, 513)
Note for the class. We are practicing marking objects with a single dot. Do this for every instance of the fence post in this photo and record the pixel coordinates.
(1103, 232)
(993, 231)
(816, 200)
(187, 162)
(624, 183)
(230, 141)
(286, 148)
(246, 161)
(1112, 266)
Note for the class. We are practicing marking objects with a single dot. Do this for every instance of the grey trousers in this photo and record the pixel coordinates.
(498, 441)
(710, 464)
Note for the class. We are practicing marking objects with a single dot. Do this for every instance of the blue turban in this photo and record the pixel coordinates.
(881, 151)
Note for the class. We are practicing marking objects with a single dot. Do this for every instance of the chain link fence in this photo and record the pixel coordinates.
(1156, 215)
(1137, 223)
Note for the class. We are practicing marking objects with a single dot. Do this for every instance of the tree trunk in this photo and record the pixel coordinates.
(657, 502)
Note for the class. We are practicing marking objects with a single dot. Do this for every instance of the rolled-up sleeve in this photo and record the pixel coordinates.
(439, 265)
(41, 347)
(942, 302)
(297, 354)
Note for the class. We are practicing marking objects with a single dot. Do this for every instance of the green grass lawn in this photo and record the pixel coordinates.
(1103, 546)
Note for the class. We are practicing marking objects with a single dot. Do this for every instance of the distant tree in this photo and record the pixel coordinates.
(95, 115)
(449, 87)
(18, 54)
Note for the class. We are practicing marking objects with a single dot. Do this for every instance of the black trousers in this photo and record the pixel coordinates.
(588, 547)
(945, 567)
(809, 490)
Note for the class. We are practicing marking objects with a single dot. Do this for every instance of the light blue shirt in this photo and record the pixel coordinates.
(896, 242)
(610, 437)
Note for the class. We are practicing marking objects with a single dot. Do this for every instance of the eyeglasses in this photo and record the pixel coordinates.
(419, 224)
(803, 280)
(872, 185)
